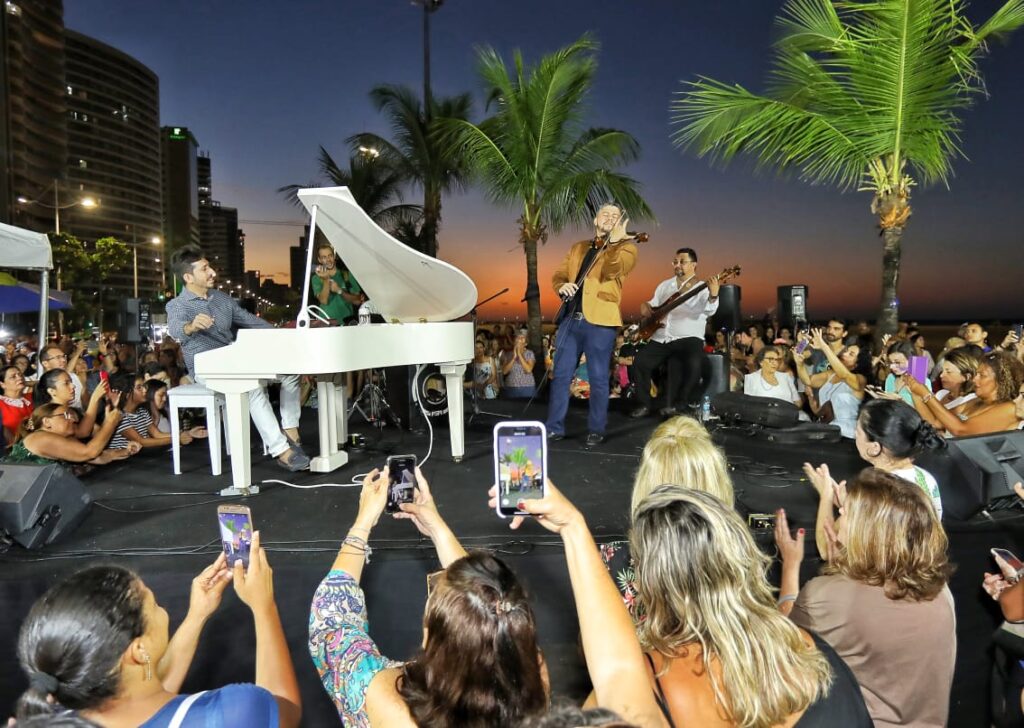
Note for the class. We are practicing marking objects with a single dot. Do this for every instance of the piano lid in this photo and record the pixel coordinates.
(404, 284)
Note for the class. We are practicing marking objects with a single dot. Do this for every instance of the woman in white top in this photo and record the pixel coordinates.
(841, 384)
(768, 381)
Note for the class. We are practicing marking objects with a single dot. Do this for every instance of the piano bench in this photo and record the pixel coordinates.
(196, 396)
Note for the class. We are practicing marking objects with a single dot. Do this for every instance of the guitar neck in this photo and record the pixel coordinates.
(670, 304)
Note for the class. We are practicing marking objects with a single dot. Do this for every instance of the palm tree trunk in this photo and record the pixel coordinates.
(892, 209)
(431, 221)
(533, 313)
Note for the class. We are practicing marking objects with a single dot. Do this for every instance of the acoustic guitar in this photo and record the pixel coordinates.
(649, 325)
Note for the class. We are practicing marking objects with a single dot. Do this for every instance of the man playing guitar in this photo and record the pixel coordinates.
(589, 281)
(680, 339)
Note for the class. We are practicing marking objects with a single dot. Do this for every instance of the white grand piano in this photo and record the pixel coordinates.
(418, 297)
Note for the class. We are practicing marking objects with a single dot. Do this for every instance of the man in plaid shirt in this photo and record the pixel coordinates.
(201, 319)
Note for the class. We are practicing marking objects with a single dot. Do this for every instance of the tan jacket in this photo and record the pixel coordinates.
(602, 288)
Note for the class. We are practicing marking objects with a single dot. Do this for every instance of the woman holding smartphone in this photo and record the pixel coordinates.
(56, 386)
(98, 644)
(840, 387)
(480, 664)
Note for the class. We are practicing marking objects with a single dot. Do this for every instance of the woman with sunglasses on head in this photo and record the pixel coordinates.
(840, 387)
(50, 435)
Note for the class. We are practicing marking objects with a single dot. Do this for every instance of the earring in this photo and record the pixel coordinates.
(147, 667)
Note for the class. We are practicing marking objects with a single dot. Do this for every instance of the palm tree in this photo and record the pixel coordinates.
(377, 189)
(415, 153)
(864, 94)
(534, 154)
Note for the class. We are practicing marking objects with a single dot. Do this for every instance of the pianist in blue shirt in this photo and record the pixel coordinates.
(202, 318)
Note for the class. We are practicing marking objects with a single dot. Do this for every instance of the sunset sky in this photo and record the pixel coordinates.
(261, 84)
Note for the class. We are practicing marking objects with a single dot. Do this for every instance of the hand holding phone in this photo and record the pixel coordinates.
(236, 533)
(520, 464)
(1009, 564)
(401, 481)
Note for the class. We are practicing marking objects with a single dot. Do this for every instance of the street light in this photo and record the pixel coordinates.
(155, 240)
(86, 202)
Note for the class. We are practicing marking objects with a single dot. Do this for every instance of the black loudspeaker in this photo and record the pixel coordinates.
(714, 377)
(977, 473)
(792, 306)
(40, 503)
(729, 315)
(133, 322)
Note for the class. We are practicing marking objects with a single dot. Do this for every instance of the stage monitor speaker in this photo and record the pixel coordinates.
(729, 315)
(40, 503)
(792, 306)
(714, 377)
(977, 473)
(133, 321)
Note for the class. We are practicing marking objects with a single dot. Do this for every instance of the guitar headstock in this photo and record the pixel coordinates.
(731, 272)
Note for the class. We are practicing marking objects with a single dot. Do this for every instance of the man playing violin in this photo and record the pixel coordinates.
(589, 281)
(680, 339)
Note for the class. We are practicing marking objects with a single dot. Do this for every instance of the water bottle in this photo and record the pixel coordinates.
(705, 409)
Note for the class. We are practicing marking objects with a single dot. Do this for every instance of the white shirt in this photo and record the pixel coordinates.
(756, 385)
(79, 391)
(930, 485)
(943, 395)
(688, 319)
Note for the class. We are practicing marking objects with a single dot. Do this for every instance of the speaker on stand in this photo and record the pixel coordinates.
(792, 306)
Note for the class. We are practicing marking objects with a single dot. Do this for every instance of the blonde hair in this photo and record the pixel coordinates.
(701, 580)
(681, 451)
(895, 539)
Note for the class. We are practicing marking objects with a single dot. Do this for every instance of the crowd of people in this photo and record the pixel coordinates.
(679, 625)
(88, 401)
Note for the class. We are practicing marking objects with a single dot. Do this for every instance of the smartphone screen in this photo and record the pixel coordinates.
(919, 368)
(401, 481)
(1019, 330)
(1012, 561)
(235, 533)
(520, 464)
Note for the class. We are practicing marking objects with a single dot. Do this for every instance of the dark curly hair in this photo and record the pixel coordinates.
(481, 665)
(1009, 374)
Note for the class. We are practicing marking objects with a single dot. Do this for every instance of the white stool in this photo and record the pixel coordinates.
(189, 396)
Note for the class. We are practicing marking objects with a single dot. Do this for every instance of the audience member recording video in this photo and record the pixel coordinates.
(98, 644)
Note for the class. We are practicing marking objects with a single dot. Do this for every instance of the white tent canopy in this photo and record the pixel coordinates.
(24, 249)
(20, 248)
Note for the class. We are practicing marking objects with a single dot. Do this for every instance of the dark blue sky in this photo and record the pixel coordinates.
(262, 83)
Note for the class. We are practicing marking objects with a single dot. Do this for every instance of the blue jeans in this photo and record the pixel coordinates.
(575, 337)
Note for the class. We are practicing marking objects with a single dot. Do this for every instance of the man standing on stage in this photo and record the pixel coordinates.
(589, 281)
(680, 339)
(201, 319)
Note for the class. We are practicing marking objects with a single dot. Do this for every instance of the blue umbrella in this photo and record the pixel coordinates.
(24, 297)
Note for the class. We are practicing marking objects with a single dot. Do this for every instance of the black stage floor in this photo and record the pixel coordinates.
(164, 527)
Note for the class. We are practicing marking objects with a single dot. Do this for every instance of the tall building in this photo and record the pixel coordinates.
(219, 236)
(113, 155)
(179, 161)
(33, 111)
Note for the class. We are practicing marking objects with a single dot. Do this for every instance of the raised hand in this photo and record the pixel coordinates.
(554, 511)
(791, 548)
(208, 588)
(373, 497)
(422, 511)
(255, 585)
(618, 232)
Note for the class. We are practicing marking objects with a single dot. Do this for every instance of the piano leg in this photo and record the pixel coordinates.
(328, 401)
(236, 405)
(453, 375)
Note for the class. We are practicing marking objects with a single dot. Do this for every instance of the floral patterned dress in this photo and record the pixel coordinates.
(619, 562)
(339, 642)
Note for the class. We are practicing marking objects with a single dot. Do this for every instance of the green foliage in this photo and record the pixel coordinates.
(378, 190)
(82, 268)
(535, 152)
(866, 93)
